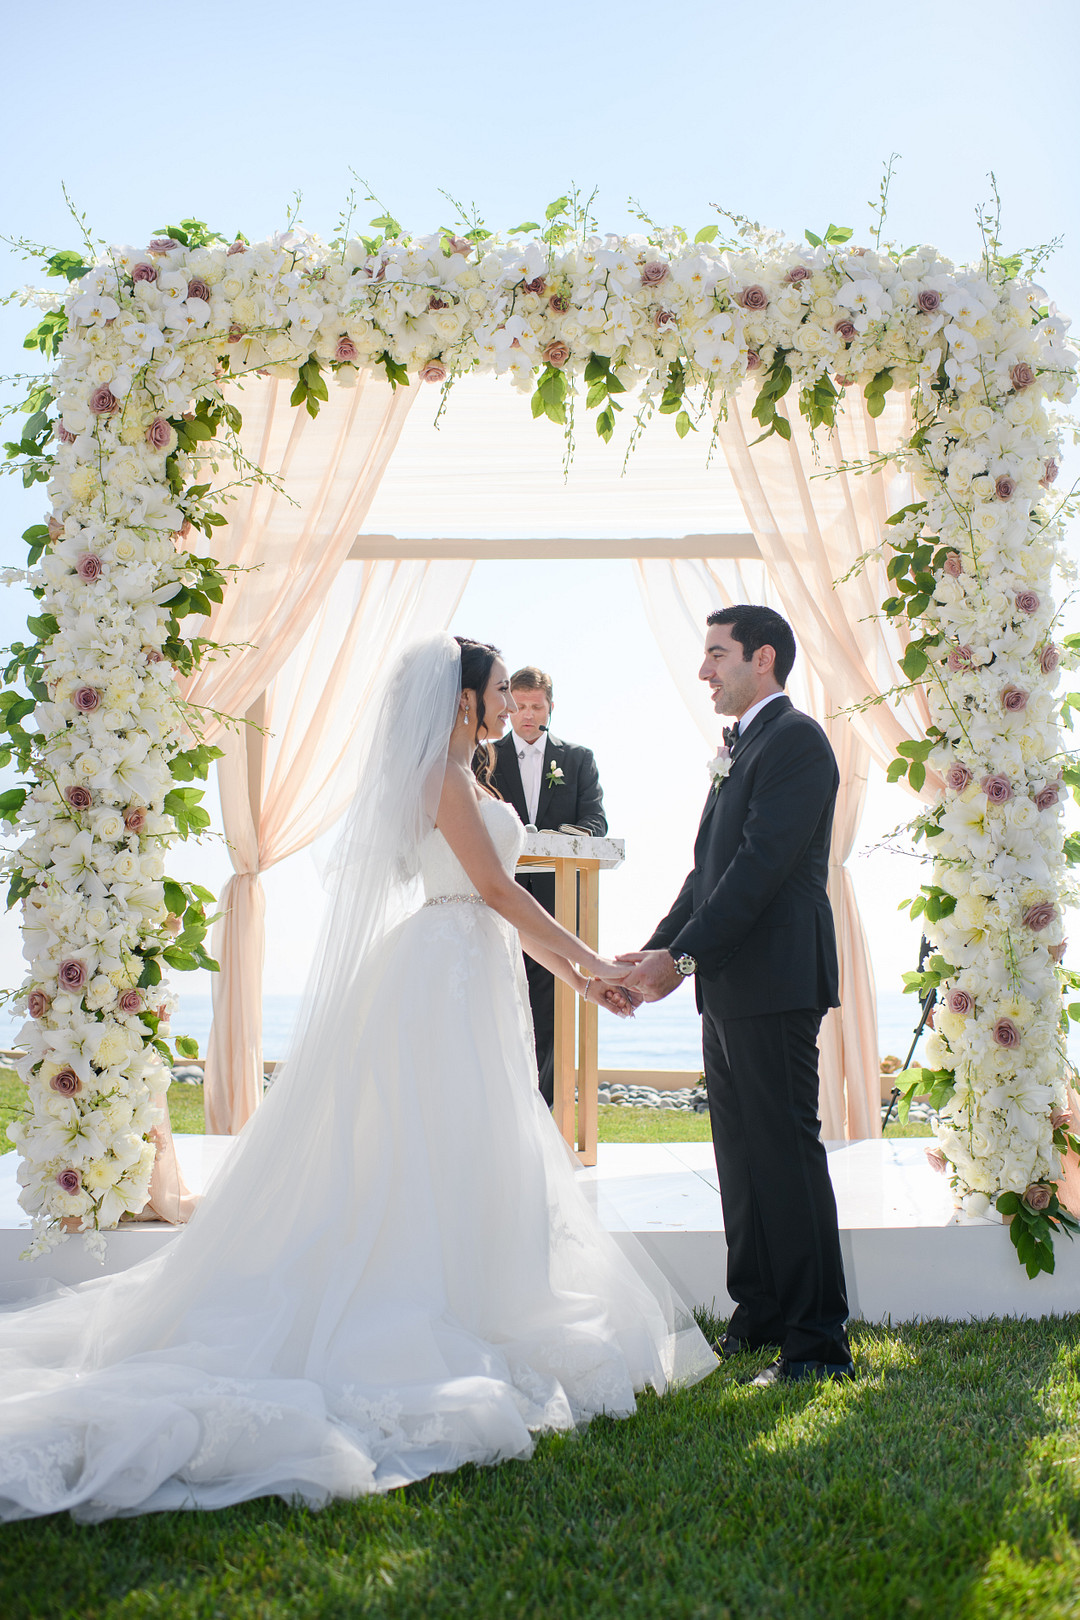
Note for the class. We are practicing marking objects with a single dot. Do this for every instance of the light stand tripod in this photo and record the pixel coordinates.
(927, 1005)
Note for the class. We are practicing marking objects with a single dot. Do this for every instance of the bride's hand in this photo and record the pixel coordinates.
(611, 996)
(602, 967)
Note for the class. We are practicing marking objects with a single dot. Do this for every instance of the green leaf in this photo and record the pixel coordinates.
(896, 769)
(19, 887)
(905, 511)
(553, 210)
(67, 264)
(1008, 1203)
(838, 233)
(914, 662)
(151, 973)
(527, 225)
(187, 1046)
(605, 424)
(782, 426)
(917, 775)
(683, 424)
(175, 898)
(707, 233)
(815, 241)
(11, 803)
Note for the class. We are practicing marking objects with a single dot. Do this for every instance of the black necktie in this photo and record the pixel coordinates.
(731, 735)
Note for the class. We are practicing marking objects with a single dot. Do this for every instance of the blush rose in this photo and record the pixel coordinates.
(998, 789)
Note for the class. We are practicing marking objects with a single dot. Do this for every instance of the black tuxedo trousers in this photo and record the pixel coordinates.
(785, 1270)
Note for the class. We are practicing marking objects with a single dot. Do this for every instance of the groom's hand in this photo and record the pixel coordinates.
(653, 975)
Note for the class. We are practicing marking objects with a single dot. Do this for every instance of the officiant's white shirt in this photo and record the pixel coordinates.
(752, 712)
(531, 765)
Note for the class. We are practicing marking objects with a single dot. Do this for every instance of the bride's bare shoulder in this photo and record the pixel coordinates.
(460, 792)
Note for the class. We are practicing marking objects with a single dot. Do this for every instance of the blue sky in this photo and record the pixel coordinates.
(785, 112)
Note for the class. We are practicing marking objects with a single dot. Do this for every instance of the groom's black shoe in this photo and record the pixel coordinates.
(783, 1371)
(731, 1345)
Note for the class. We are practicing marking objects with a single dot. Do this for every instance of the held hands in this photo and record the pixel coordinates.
(609, 992)
(612, 996)
(652, 974)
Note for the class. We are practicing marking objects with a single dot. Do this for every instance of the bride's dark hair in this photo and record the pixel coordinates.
(477, 658)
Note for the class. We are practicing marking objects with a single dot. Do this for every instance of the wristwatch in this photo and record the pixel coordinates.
(684, 965)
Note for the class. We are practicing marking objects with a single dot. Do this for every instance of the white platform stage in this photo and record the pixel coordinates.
(904, 1254)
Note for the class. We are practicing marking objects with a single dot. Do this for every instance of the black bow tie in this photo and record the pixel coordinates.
(731, 735)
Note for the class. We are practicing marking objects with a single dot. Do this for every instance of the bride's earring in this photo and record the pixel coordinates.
(465, 716)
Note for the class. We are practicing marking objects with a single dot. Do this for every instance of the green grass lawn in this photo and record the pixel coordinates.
(944, 1482)
(615, 1124)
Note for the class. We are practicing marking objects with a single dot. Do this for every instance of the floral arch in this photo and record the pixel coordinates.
(124, 431)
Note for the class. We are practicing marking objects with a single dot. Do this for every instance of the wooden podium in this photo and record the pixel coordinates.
(576, 861)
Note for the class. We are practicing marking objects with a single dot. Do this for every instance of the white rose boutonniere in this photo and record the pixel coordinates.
(554, 777)
(719, 767)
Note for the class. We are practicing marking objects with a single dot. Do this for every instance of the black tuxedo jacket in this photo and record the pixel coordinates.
(754, 912)
(576, 801)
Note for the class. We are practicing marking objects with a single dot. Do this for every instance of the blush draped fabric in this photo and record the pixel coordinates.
(678, 595)
(285, 783)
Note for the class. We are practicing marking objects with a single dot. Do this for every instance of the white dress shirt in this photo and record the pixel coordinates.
(531, 765)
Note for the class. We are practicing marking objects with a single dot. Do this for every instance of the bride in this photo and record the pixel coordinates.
(395, 1272)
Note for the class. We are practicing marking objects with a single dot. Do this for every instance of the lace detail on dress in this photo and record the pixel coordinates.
(382, 1424)
(228, 1413)
(443, 873)
(44, 1471)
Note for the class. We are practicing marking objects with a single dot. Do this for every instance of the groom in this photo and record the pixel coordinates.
(753, 924)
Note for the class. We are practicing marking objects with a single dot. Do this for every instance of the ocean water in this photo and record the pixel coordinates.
(666, 1035)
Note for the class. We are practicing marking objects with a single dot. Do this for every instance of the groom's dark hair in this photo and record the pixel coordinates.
(753, 627)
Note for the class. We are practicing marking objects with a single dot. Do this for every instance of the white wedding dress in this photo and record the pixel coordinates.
(396, 1272)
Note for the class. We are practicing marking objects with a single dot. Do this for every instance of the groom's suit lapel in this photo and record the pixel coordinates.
(764, 717)
(553, 755)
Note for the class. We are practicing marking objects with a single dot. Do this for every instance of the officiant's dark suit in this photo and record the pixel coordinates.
(755, 917)
(570, 795)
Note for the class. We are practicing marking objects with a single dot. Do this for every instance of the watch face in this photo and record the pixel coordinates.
(685, 965)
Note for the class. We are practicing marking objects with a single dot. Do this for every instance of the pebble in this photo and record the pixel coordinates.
(187, 1075)
(693, 1100)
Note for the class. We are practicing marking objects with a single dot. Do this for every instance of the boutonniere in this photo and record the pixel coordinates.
(719, 767)
(554, 777)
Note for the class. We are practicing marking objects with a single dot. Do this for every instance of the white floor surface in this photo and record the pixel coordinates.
(904, 1253)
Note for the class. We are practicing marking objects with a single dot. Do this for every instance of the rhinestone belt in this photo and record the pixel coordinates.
(456, 900)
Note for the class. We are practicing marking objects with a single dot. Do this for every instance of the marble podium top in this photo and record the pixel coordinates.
(606, 852)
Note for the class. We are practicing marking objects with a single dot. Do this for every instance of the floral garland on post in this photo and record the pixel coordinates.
(147, 340)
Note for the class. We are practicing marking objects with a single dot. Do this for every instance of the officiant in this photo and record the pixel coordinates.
(554, 786)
